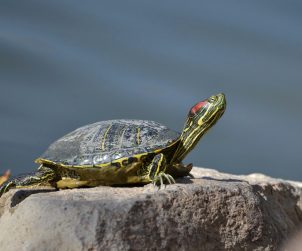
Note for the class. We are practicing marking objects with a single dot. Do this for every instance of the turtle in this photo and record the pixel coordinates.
(122, 152)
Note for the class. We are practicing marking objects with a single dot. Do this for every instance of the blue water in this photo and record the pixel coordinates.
(64, 64)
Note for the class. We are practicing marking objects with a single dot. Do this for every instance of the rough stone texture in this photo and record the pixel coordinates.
(213, 211)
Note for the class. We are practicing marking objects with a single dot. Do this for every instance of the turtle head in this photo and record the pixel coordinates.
(200, 119)
(206, 113)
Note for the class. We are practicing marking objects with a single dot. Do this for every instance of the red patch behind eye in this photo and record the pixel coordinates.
(196, 107)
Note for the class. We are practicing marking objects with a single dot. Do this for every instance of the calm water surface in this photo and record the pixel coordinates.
(64, 64)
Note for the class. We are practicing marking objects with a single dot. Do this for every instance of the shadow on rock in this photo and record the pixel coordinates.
(21, 195)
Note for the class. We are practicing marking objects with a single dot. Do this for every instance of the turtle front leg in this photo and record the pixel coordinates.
(43, 177)
(156, 171)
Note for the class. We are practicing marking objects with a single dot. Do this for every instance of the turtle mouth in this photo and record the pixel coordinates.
(221, 101)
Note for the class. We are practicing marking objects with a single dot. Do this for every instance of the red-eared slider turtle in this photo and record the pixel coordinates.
(122, 152)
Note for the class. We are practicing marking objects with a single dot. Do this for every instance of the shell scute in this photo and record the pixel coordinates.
(106, 141)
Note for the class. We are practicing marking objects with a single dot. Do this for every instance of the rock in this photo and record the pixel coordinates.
(213, 211)
(294, 244)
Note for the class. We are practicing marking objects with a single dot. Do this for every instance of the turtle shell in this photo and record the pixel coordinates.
(107, 141)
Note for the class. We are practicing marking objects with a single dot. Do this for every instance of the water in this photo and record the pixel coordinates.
(64, 64)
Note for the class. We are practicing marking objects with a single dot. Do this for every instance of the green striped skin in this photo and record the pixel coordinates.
(122, 152)
(199, 121)
(43, 177)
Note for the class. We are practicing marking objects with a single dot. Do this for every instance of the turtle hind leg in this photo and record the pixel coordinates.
(157, 170)
(6, 186)
(43, 177)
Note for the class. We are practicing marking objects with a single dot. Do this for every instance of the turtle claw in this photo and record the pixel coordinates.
(170, 179)
(161, 181)
(162, 178)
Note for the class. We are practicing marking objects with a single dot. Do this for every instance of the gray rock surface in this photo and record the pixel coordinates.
(213, 211)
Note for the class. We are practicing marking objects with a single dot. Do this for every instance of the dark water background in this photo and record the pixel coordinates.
(64, 64)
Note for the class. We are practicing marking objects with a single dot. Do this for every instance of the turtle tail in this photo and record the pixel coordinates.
(43, 177)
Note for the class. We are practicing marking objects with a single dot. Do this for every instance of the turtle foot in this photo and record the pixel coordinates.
(162, 179)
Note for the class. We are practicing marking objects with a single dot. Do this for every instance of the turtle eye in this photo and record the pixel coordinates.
(212, 99)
